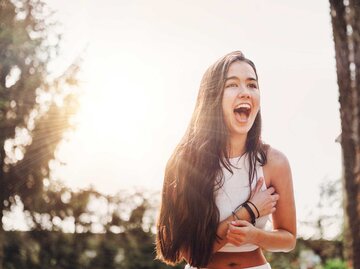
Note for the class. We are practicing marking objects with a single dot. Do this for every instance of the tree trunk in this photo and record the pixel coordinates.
(2, 239)
(346, 29)
(2, 186)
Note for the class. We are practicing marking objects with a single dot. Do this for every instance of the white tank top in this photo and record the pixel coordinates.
(234, 192)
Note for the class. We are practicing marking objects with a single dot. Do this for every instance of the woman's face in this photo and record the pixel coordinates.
(241, 99)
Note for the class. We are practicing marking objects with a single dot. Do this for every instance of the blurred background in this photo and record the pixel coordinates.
(94, 97)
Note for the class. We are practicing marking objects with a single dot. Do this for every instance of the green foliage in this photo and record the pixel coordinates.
(130, 246)
(335, 264)
(307, 252)
(284, 260)
(43, 249)
(125, 240)
(34, 111)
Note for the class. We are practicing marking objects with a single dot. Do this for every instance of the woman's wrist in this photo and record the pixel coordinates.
(256, 238)
(254, 209)
(246, 205)
(243, 214)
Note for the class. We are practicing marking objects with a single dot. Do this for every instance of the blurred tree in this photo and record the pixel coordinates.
(345, 18)
(329, 213)
(34, 110)
(125, 241)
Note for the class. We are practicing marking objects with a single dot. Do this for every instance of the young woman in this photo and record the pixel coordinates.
(219, 186)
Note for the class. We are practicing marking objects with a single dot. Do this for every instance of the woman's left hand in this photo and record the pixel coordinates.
(241, 232)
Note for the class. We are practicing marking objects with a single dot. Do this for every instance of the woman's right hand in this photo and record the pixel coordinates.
(265, 201)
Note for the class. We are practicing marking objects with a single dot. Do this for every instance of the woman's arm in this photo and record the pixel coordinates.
(265, 202)
(283, 237)
(224, 225)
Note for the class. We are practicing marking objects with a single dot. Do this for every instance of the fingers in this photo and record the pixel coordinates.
(271, 190)
(275, 197)
(234, 242)
(237, 230)
(239, 223)
(257, 187)
(259, 183)
(235, 239)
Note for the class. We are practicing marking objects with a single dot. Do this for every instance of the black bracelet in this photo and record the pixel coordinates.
(238, 207)
(251, 213)
(235, 216)
(255, 208)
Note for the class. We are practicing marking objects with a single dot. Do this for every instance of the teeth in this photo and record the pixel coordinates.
(243, 106)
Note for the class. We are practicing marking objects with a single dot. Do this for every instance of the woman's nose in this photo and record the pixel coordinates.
(244, 92)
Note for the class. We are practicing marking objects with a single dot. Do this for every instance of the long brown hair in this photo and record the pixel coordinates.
(189, 216)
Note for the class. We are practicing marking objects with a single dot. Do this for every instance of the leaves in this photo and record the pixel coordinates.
(31, 103)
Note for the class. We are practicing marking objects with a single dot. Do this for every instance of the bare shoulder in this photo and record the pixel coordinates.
(277, 166)
(276, 158)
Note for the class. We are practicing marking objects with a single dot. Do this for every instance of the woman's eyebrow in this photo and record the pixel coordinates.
(235, 77)
(251, 78)
(232, 77)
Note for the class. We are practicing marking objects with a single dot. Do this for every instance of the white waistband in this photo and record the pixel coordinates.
(264, 266)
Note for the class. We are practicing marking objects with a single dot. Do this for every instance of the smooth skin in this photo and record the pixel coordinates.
(241, 87)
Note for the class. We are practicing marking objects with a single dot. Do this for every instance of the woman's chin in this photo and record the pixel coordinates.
(240, 131)
(242, 128)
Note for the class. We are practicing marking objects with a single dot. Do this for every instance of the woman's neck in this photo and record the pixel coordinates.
(237, 146)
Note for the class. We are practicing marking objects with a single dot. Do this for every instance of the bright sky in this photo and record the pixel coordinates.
(142, 69)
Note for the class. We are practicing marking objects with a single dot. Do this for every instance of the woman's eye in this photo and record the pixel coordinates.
(231, 85)
(252, 85)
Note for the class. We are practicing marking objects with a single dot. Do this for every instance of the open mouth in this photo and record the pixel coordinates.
(242, 112)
